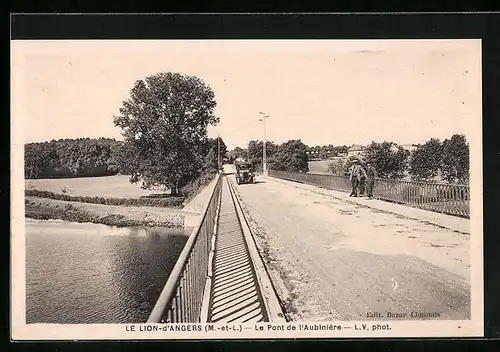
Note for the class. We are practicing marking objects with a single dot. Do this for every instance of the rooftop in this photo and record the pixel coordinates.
(356, 147)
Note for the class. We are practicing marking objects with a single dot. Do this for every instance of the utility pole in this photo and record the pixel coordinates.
(264, 161)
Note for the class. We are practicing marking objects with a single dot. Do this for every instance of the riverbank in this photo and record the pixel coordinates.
(112, 201)
(117, 186)
(112, 215)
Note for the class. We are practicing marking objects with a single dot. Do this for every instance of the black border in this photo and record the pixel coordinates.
(255, 26)
(309, 26)
(228, 6)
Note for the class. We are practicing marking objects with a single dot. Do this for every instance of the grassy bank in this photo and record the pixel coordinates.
(80, 200)
(45, 209)
(151, 200)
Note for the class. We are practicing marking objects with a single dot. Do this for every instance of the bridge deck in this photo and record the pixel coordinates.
(235, 294)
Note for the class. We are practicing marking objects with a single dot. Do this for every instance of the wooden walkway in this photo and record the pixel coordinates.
(235, 292)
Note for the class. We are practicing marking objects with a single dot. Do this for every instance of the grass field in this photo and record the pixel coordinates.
(320, 167)
(108, 187)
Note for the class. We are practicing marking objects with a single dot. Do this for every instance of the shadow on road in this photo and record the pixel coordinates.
(249, 184)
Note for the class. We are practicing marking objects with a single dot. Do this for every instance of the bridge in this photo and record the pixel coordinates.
(292, 248)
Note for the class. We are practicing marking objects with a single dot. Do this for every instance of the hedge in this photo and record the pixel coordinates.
(169, 202)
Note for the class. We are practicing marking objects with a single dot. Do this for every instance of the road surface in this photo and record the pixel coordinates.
(331, 260)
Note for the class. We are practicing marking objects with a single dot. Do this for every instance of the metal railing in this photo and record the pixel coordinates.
(181, 298)
(443, 198)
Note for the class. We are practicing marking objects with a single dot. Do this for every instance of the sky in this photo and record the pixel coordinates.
(319, 91)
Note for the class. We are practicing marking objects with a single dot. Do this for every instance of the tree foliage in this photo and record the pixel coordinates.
(82, 157)
(211, 161)
(164, 124)
(236, 153)
(327, 151)
(290, 156)
(425, 161)
(255, 152)
(340, 167)
(217, 144)
(455, 163)
(389, 161)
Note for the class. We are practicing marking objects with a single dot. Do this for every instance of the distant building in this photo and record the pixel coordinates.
(409, 147)
(356, 150)
(394, 147)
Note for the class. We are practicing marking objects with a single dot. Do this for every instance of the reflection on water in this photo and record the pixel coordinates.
(88, 273)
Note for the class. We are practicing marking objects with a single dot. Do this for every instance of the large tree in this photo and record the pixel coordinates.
(426, 160)
(211, 161)
(255, 152)
(164, 124)
(236, 153)
(290, 156)
(217, 144)
(455, 164)
(389, 161)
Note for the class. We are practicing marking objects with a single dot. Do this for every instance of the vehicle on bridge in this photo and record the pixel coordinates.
(244, 172)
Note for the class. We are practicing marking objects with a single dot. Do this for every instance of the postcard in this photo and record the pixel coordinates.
(234, 189)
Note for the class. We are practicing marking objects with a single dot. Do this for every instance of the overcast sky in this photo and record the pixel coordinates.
(323, 92)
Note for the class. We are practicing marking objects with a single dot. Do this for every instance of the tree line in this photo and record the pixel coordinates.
(434, 160)
(289, 156)
(448, 159)
(326, 151)
(91, 157)
(314, 152)
(82, 157)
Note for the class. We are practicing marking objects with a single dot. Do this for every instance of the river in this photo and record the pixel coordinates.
(91, 273)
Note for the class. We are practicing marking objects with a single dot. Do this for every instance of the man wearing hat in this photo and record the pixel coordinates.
(370, 179)
(356, 172)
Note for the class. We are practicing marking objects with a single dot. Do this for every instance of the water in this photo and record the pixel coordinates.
(89, 273)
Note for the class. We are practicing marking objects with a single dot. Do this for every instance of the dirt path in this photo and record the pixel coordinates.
(332, 260)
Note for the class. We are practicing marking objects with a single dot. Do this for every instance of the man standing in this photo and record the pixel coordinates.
(371, 174)
(362, 183)
(356, 172)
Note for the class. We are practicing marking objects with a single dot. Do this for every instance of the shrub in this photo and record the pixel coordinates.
(338, 167)
(195, 186)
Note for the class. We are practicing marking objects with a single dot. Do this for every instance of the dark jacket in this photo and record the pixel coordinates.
(371, 173)
(356, 171)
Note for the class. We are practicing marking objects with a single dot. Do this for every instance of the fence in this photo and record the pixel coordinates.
(442, 198)
(181, 299)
